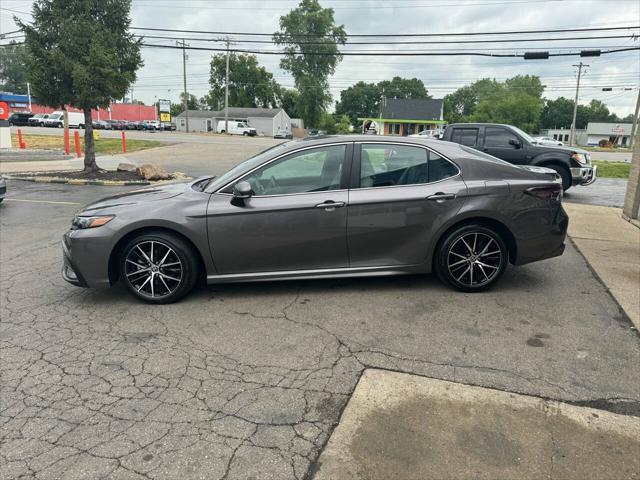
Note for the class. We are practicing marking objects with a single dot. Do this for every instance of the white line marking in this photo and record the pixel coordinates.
(40, 201)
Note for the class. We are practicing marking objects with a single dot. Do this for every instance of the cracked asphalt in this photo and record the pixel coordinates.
(249, 380)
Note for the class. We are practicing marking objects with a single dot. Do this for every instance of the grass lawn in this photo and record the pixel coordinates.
(613, 169)
(600, 149)
(104, 146)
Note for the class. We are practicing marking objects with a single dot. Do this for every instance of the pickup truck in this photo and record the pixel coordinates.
(512, 145)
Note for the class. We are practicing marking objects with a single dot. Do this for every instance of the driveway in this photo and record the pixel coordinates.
(248, 381)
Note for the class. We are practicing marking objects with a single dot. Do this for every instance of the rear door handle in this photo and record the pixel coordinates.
(330, 205)
(441, 197)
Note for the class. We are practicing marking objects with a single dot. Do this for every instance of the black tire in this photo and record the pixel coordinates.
(245, 134)
(452, 250)
(183, 253)
(565, 175)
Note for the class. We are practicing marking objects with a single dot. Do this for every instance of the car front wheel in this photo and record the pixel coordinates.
(159, 267)
(471, 258)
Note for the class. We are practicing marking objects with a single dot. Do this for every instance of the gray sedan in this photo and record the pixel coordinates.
(324, 207)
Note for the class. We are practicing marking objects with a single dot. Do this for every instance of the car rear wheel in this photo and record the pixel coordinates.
(159, 267)
(472, 258)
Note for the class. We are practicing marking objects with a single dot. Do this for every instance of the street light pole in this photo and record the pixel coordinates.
(184, 79)
(226, 93)
(572, 134)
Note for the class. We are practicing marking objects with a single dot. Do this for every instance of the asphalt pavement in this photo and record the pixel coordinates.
(249, 380)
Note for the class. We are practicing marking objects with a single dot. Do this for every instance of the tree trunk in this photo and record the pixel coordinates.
(90, 164)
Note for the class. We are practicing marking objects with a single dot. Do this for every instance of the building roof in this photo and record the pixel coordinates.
(234, 112)
(612, 129)
(414, 109)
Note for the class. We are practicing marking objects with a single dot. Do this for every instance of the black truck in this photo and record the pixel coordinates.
(512, 145)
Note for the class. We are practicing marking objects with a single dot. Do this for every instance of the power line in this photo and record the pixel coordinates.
(450, 34)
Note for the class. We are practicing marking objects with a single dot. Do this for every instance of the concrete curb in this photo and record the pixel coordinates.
(76, 181)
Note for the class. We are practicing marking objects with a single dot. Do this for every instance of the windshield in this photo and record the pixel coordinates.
(248, 164)
(524, 135)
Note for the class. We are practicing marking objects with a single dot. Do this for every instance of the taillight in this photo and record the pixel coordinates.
(552, 192)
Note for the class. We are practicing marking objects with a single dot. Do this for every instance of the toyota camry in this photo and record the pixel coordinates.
(324, 207)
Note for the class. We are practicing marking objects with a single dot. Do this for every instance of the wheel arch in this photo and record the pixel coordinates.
(496, 225)
(114, 271)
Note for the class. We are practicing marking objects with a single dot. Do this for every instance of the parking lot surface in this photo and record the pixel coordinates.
(249, 380)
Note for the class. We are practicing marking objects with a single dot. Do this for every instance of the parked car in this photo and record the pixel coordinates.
(283, 133)
(409, 205)
(38, 119)
(436, 133)
(118, 124)
(134, 125)
(101, 125)
(3, 188)
(548, 141)
(511, 144)
(152, 125)
(56, 120)
(169, 126)
(20, 119)
(236, 128)
(316, 133)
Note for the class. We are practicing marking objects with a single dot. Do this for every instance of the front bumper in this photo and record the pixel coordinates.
(70, 272)
(584, 175)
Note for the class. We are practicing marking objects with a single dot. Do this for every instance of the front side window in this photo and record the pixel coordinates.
(499, 137)
(314, 170)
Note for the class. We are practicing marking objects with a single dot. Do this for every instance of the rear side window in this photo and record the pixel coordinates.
(388, 165)
(439, 168)
(465, 136)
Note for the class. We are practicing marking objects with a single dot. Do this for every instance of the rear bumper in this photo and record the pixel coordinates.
(584, 175)
(544, 243)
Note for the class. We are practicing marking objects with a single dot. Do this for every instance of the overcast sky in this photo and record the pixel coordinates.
(161, 77)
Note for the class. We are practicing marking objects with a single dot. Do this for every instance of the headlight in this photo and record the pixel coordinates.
(80, 222)
(580, 158)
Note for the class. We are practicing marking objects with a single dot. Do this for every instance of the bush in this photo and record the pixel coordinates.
(605, 144)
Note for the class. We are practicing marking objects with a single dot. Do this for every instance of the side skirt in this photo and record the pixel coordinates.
(315, 274)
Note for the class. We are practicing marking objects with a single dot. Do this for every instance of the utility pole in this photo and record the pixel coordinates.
(634, 125)
(226, 93)
(184, 79)
(572, 134)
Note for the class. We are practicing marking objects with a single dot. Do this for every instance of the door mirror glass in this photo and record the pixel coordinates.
(515, 143)
(242, 190)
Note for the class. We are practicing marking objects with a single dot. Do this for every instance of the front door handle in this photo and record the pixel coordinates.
(330, 205)
(441, 197)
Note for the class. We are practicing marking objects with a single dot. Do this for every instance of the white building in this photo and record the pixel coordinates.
(266, 121)
(616, 133)
(563, 134)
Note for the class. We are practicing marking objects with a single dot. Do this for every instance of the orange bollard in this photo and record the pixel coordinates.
(66, 141)
(124, 143)
(21, 144)
(76, 139)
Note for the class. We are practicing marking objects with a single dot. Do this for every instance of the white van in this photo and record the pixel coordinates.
(237, 128)
(56, 119)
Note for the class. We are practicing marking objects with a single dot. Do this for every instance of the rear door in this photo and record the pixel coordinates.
(401, 195)
(498, 141)
(469, 136)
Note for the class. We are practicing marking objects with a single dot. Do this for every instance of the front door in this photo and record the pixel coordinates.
(296, 219)
(504, 144)
(402, 195)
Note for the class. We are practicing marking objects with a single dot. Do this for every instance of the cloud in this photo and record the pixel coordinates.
(161, 76)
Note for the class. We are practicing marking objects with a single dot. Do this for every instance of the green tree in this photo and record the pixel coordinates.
(557, 113)
(80, 53)
(327, 123)
(343, 125)
(13, 71)
(288, 101)
(250, 85)
(192, 104)
(399, 87)
(310, 37)
(363, 99)
(461, 104)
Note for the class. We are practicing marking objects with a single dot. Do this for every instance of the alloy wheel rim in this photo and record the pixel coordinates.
(474, 259)
(153, 269)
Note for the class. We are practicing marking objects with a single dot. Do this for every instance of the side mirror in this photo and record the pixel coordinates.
(515, 143)
(242, 190)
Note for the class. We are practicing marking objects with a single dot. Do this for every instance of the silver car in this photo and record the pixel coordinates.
(3, 188)
(323, 207)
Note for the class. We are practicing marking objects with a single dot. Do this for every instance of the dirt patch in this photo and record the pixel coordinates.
(81, 175)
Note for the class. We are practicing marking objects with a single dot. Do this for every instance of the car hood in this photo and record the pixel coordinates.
(152, 194)
(558, 148)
